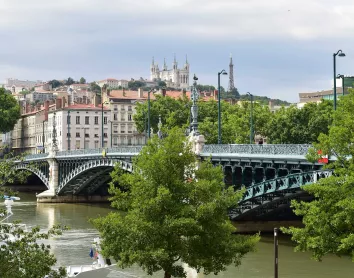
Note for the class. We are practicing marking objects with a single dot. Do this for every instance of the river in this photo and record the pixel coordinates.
(72, 248)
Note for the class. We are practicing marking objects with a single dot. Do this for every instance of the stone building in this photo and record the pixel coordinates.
(176, 77)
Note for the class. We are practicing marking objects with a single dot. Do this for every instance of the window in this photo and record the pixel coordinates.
(115, 141)
(96, 120)
(129, 117)
(123, 109)
(77, 120)
(129, 140)
(68, 135)
(122, 118)
(105, 120)
(129, 108)
(115, 107)
(87, 135)
(77, 145)
(96, 145)
(130, 127)
(105, 144)
(77, 134)
(96, 135)
(122, 129)
(115, 129)
(86, 144)
(87, 120)
(105, 135)
(115, 117)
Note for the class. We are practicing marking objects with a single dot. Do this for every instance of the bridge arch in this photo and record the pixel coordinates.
(38, 172)
(90, 174)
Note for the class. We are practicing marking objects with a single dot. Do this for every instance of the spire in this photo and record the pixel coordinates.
(174, 58)
(153, 60)
(186, 60)
(164, 64)
(231, 76)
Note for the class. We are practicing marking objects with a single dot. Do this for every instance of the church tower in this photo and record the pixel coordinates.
(174, 65)
(231, 76)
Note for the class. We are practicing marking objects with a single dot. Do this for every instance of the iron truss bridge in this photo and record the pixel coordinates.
(272, 174)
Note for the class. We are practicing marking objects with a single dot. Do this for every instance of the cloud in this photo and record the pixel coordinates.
(280, 43)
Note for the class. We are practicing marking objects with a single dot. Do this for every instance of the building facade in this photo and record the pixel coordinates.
(176, 77)
(16, 86)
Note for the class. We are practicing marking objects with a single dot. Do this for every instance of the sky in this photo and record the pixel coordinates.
(279, 47)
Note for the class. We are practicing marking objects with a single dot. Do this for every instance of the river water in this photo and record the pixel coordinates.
(73, 247)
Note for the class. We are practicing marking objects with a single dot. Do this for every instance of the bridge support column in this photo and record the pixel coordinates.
(53, 175)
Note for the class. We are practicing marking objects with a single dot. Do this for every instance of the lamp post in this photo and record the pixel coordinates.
(251, 119)
(340, 53)
(152, 90)
(69, 134)
(103, 103)
(342, 77)
(223, 72)
(111, 131)
(43, 135)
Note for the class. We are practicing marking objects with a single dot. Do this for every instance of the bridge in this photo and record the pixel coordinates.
(271, 174)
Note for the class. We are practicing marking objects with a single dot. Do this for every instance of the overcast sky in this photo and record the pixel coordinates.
(279, 47)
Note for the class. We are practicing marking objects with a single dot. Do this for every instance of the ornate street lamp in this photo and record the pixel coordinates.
(223, 72)
(340, 53)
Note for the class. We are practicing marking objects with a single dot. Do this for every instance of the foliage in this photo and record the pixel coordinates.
(95, 88)
(82, 80)
(328, 219)
(265, 100)
(21, 256)
(300, 126)
(162, 84)
(205, 88)
(24, 92)
(69, 81)
(9, 111)
(173, 113)
(175, 213)
(55, 83)
(135, 85)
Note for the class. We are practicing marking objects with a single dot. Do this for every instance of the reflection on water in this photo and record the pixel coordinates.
(73, 247)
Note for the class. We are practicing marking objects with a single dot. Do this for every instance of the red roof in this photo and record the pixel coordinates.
(85, 106)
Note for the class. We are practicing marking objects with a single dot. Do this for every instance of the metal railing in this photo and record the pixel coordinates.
(281, 149)
(36, 156)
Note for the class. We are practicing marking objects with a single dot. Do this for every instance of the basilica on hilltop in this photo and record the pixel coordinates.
(175, 78)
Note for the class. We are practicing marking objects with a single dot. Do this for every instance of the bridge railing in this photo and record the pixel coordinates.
(36, 156)
(279, 149)
(108, 151)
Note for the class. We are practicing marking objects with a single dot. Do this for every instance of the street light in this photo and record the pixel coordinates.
(103, 103)
(223, 72)
(251, 119)
(342, 77)
(153, 91)
(340, 53)
(111, 131)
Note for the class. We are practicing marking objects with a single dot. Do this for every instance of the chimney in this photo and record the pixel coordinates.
(57, 103)
(271, 104)
(140, 93)
(163, 92)
(216, 94)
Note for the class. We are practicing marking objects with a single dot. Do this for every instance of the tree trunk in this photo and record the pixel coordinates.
(167, 275)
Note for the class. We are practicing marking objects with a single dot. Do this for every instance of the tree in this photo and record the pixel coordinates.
(135, 85)
(95, 88)
(328, 219)
(69, 81)
(174, 213)
(21, 256)
(300, 126)
(162, 84)
(9, 111)
(82, 80)
(55, 83)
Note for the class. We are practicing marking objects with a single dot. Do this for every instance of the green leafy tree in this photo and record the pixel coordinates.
(82, 80)
(21, 255)
(135, 85)
(162, 84)
(69, 81)
(9, 111)
(175, 214)
(95, 88)
(328, 219)
(300, 126)
(55, 83)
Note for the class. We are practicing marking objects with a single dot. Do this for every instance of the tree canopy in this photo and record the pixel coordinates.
(9, 111)
(95, 88)
(135, 85)
(328, 219)
(55, 83)
(82, 80)
(69, 81)
(175, 213)
(21, 254)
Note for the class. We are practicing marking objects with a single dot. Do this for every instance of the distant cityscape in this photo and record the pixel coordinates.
(82, 108)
